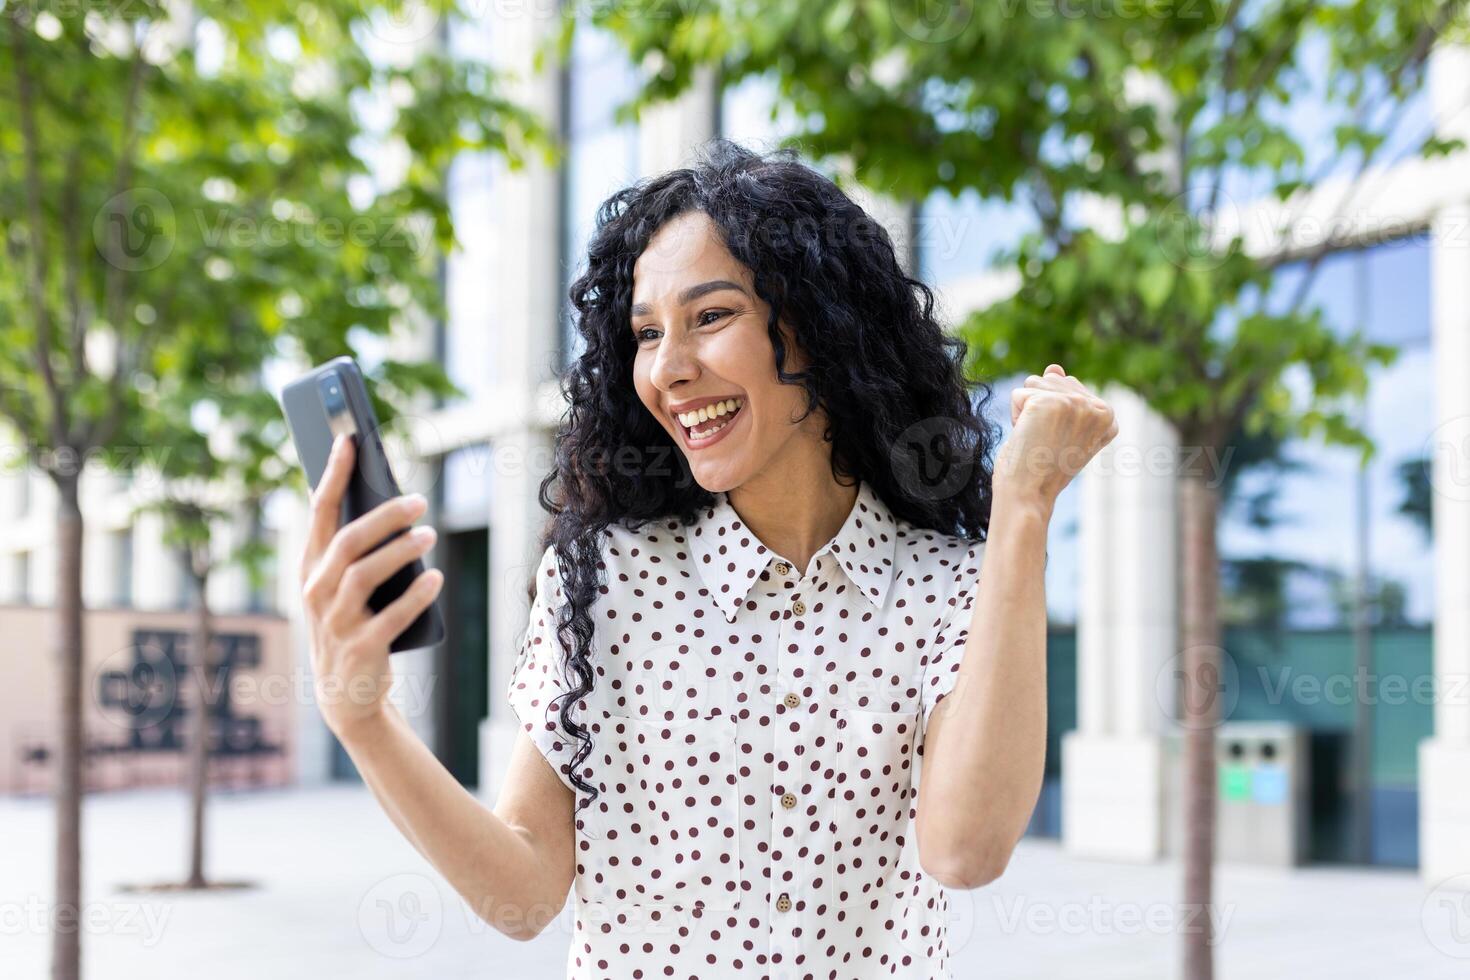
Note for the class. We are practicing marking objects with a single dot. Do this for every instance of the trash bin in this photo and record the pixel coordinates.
(1262, 806)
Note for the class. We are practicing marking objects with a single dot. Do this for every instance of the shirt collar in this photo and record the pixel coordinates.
(730, 557)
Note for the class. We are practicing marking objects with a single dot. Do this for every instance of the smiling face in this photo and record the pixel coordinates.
(705, 367)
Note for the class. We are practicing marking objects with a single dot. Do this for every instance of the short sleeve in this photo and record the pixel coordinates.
(948, 652)
(537, 677)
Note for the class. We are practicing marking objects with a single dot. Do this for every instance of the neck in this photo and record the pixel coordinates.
(794, 513)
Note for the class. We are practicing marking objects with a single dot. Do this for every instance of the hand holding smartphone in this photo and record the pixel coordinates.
(331, 401)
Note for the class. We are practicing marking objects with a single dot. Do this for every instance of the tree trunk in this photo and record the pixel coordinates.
(202, 669)
(66, 937)
(1200, 712)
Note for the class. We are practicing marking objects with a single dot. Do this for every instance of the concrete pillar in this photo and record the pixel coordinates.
(1112, 765)
(1444, 759)
(525, 270)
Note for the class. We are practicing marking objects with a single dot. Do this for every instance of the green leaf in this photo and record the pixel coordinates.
(1155, 283)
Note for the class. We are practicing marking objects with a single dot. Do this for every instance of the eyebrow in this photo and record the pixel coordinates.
(691, 294)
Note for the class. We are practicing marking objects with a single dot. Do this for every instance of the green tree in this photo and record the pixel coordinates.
(1145, 120)
(185, 193)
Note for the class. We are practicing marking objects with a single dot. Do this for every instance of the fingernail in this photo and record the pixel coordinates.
(424, 534)
(417, 502)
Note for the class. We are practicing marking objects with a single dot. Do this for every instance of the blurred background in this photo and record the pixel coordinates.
(1247, 222)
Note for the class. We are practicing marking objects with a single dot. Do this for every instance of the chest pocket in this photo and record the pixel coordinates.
(875, 786)
(665, 828)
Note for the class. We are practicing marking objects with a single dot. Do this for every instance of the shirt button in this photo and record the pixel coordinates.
(782, 568)
(799, 608)
(791, 700)
(789, 800)
(783, 904)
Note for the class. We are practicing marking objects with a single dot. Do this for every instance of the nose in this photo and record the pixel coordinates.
(675, 362)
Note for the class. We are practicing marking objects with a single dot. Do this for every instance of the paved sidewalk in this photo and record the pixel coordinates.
(343, 895)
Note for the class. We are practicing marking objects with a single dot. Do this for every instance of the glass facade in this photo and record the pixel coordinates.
(465, 487)
(467, 338)
(1328, 583)
(601, 153)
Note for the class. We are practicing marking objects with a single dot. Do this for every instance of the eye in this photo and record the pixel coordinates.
(641, 335)
(715, 313)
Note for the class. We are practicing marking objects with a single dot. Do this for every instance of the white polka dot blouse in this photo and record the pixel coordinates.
(757, 736)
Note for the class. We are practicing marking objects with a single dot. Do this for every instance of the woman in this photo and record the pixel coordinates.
(758, 588)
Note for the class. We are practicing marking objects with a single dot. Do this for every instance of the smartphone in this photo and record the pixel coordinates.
(332, 399)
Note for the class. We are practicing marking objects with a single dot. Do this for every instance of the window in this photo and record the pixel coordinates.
(183, 581)
(122, 567)
(601, 157)
(466, 487)
(1300, 525)
(467, 342)
(1288, 528)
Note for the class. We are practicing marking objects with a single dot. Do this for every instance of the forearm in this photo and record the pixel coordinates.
(491, 864)
(984, 757)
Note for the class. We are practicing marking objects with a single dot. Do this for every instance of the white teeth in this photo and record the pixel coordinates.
(708, 412)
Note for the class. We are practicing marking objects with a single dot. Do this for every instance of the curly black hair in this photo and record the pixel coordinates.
(891, 381)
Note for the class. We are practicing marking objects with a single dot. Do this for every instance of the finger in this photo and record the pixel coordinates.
(1019, 398)
(398, 614)
(326, 500)
(362, 535)
(1051, 382)
(1055, 369)
(372, 570)
(1032, 396)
